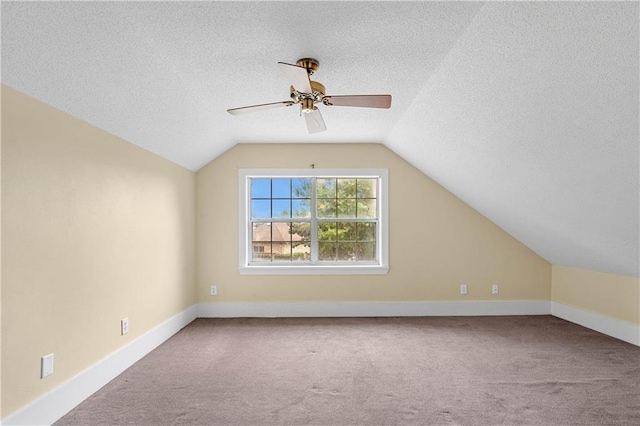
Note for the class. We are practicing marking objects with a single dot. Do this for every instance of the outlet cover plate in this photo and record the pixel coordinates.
(463, 289)
(124, 326)
(47, 366)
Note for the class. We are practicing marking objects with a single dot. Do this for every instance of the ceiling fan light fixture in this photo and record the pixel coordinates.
(306, 105)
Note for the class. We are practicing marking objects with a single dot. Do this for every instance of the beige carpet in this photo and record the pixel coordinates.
(527, 370)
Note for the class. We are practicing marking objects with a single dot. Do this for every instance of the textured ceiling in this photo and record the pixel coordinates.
(532, 119)
(162, 75)
(526, 111)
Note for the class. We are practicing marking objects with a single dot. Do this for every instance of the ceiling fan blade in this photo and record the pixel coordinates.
(367, 101)
(297, 76)
(254, 108)
(315, 123)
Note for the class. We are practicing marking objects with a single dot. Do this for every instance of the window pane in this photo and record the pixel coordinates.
(281, 188)
(301, 208)
(346, 188)
(261, 232)
(366, 231)
(281, 251)
(367, 208)
(367, 188)
(301, 188)
(366, 251)
(346, 231)
(261, 242)
(301, 251)
(326, 251)
(346, 251)
(300, 231)
(326, 188)
(281, 208)
(327, 231)
(281, 231)
(326, 207)
(347, 207)
(260, 209)
(261, 252)
(260, 188)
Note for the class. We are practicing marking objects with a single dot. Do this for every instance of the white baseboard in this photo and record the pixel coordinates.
(622, 330)
(372, 309)
(59, 401)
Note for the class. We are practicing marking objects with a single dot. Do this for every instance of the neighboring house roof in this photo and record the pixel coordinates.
(277, 231)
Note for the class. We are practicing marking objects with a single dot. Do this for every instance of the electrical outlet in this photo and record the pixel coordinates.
(46, 366)
(214, 290)
(494, 289)
(124, 326)
(463, 289)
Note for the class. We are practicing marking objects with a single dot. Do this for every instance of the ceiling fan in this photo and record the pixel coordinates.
(307, 93)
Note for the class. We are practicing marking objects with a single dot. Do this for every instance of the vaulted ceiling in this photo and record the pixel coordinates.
(526, 111)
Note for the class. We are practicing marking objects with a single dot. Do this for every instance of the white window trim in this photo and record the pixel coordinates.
(244, 248)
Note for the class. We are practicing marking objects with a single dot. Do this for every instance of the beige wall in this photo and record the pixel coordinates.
(615, 296)
(436, 241)
(94, 230)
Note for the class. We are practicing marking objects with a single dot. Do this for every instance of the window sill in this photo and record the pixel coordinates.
(314, 270)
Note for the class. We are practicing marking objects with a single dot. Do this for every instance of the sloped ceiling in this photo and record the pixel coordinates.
(526, 111)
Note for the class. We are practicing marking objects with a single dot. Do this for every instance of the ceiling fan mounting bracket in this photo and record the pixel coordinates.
(310, 64)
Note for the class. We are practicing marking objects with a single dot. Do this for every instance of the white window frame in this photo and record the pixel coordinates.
(246, 267)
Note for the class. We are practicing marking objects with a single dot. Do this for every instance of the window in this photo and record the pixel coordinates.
(313, 221)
